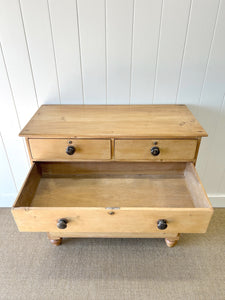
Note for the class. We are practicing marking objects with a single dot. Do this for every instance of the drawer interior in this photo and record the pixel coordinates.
(113, 184)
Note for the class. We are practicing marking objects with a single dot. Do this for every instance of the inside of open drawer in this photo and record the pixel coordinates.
(113, 184)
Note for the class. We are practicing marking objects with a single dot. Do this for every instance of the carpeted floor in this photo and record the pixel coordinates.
(108, 269)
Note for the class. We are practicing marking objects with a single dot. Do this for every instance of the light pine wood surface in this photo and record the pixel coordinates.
(169, 149)
(128, 191)
(133, 220)
(150, 121)
(55, 149)
(57, 235)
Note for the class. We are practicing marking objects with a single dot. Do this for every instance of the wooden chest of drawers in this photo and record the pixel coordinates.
(113, 171)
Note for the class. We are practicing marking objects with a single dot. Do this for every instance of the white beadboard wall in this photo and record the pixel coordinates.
(112, 52)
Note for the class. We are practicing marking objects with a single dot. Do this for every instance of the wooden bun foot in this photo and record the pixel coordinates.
(171, 242)
(56, 242)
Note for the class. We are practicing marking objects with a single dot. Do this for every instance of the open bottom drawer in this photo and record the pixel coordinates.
(112, 197)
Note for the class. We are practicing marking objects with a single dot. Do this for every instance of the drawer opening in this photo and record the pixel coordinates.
(113, 184)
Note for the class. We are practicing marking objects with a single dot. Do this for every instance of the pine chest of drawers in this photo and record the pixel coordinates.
(113, 171)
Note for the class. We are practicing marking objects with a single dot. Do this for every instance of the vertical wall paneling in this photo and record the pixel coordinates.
(8, 189)
(65, 36)
(212, 98)
(119, 26)
(221, 186)
(112, 52)
(16, 55)
(215, 156)
(175, 16)
(9, 127)
(91, 16)
(145, 45)
(39, 37)
(199, 39)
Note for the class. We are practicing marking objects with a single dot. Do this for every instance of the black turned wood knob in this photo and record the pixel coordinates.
(155, 151)
(62, 223)
(70, 150)
(162, 224)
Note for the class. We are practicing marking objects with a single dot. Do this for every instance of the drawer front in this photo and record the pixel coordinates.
(123, 220)
(56, 149)
(155, 150)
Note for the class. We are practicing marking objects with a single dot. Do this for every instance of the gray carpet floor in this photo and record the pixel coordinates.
(108, 269)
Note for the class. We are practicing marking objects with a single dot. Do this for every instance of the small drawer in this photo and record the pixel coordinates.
(155, 150)
(83, 197)
(70, 149)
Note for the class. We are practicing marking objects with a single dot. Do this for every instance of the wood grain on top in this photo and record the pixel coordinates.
(145, 121)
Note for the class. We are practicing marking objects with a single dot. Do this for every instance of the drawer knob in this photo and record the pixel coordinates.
(155, 151)
(62, 223)
(162, 224)
(70, 150)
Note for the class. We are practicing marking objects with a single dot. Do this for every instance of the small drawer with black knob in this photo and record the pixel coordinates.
(155, 150)
(70, 149)
(82, 197)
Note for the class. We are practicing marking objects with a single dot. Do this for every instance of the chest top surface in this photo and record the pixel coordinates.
(116, 121)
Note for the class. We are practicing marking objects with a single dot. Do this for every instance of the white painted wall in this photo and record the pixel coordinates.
(112, 52)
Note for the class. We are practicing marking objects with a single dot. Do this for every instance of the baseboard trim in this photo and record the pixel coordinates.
(217, 200)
